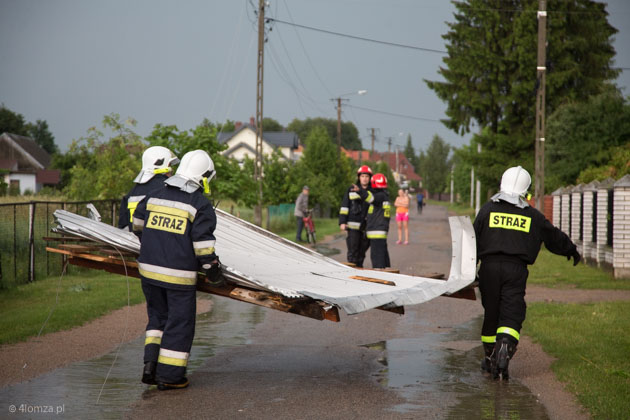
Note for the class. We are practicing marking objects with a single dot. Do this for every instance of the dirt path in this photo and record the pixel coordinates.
(531, 366)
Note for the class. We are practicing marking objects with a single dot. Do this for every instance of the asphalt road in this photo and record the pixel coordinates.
(371, 365)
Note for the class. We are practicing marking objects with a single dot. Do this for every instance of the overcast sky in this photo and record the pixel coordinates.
(70, 62)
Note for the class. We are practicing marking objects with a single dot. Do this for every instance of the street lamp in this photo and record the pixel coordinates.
(339, 99)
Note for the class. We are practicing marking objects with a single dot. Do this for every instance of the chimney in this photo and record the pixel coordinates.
(237, 125)
(252, 122)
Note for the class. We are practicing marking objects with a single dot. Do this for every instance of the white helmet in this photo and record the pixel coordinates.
(155, 160)
(515, 181)
(198, 167)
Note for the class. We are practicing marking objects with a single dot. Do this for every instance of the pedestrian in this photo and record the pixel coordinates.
(420, 199)
(176, 225)
(301, 210)
(378, 217)
(352, 216)
(157, 162)
(402, 215)
(509, 235)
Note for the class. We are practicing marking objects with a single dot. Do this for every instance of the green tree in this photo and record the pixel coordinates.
(615, 168)
(437, 166)
(42, 136)
(584, 135)
(105, 168)
(275, 181)
(410, 154)
(12, 122)
(269, 124)
(489, 77)
(349, 134)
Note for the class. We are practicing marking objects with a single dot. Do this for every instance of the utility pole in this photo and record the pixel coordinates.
(339, 99)
(541, 71)
(452, 181)
(389, 144)
(259, 110)
(478, 192)
(373, 139)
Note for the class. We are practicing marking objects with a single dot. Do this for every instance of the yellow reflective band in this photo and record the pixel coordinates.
(206, 187)
(152, 340)
(172, 211)
(370, 197)
(344, 210)
(167, 223)
(167, 278)
(371, 209)
(162, 171)
(510, 221)
(172, 361)
(204, 251)
(509, 331)
(132, 208)
(353, 196)
(377, 235)
(488, 339)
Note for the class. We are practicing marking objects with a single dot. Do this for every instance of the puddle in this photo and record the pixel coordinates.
(439, 375)
(74, 390)
(326, 250)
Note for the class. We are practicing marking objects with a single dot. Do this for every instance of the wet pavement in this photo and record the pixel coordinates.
(251, 362)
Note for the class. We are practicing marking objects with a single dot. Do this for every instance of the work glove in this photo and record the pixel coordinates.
(576, 257)
(213, 273)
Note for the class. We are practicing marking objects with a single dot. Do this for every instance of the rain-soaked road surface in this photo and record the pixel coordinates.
(250, 362)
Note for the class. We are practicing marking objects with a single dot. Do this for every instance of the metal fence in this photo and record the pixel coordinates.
(24, 228)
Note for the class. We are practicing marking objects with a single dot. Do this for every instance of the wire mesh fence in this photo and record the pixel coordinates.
(24, 229)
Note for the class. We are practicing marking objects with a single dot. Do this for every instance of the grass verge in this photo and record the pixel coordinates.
(82, 298)
(591, 344)
(457, 208)
(323, 227)
(555, 271)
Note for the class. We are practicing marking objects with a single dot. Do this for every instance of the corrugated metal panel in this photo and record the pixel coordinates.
(257, 258)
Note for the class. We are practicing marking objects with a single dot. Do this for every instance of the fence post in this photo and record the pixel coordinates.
(576, 222)
(565, 221)
(31, 241)
(557, 205)
(588, 227)
(621, 228)
(604, 251)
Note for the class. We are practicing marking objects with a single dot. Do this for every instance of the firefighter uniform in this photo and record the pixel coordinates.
(378, 216)
(177, 238)
(353, 212)
(508, 239)
(130, 201)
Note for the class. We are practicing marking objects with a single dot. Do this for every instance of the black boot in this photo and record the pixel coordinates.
(504, 350)
(165, 386)
(148, 374)
(489, 359)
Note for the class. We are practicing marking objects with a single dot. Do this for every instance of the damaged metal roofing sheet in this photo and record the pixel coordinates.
(254, 257)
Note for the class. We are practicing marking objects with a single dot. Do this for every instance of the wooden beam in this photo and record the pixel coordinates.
(373, 280)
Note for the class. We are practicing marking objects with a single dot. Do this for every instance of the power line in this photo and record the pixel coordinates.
(394, 114)
(394, 44)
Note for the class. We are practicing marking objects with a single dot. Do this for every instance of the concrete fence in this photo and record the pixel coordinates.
(597, 218)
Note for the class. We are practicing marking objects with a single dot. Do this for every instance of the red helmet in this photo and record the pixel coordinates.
(379, 181)
(364, 170)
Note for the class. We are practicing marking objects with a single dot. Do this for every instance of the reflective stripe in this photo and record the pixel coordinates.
(138, 224)
(344, 210)
(154, 333)
(168, 275)
(509, 331)
(132, 203)
(153, 340)
(354, 225)
(171, 207)
(386, 204)
(488, 339)
(173, 358)
(353, 196)
(371, 209)
(204, 247)
(370, 197)
(377, 234)
(135, 198)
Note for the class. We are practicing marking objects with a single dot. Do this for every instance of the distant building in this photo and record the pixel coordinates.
(23, 164)
(242, 143)
(402, 169)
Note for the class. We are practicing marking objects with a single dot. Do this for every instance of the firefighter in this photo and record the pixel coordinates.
(176, 224)
(378, 216)
(509, 235)
(353, 213)
(157, 161)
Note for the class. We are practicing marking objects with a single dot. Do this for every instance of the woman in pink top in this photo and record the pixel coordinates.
(402, 215)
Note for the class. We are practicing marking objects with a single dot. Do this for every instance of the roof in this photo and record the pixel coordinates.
(10, 164)
(275, 138)
(259, 259)
(48, 176)
(28, 151)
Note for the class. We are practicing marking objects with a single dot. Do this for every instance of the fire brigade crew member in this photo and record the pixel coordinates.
(176, 225)
(378, 216)
(157, 161)
(509, 235)
(353, 213)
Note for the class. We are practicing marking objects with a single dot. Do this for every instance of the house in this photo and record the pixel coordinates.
(402, 169)
(23, 164)
(242, 142)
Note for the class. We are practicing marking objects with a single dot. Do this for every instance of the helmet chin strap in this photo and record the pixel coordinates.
(206, 186)
(162, 170)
